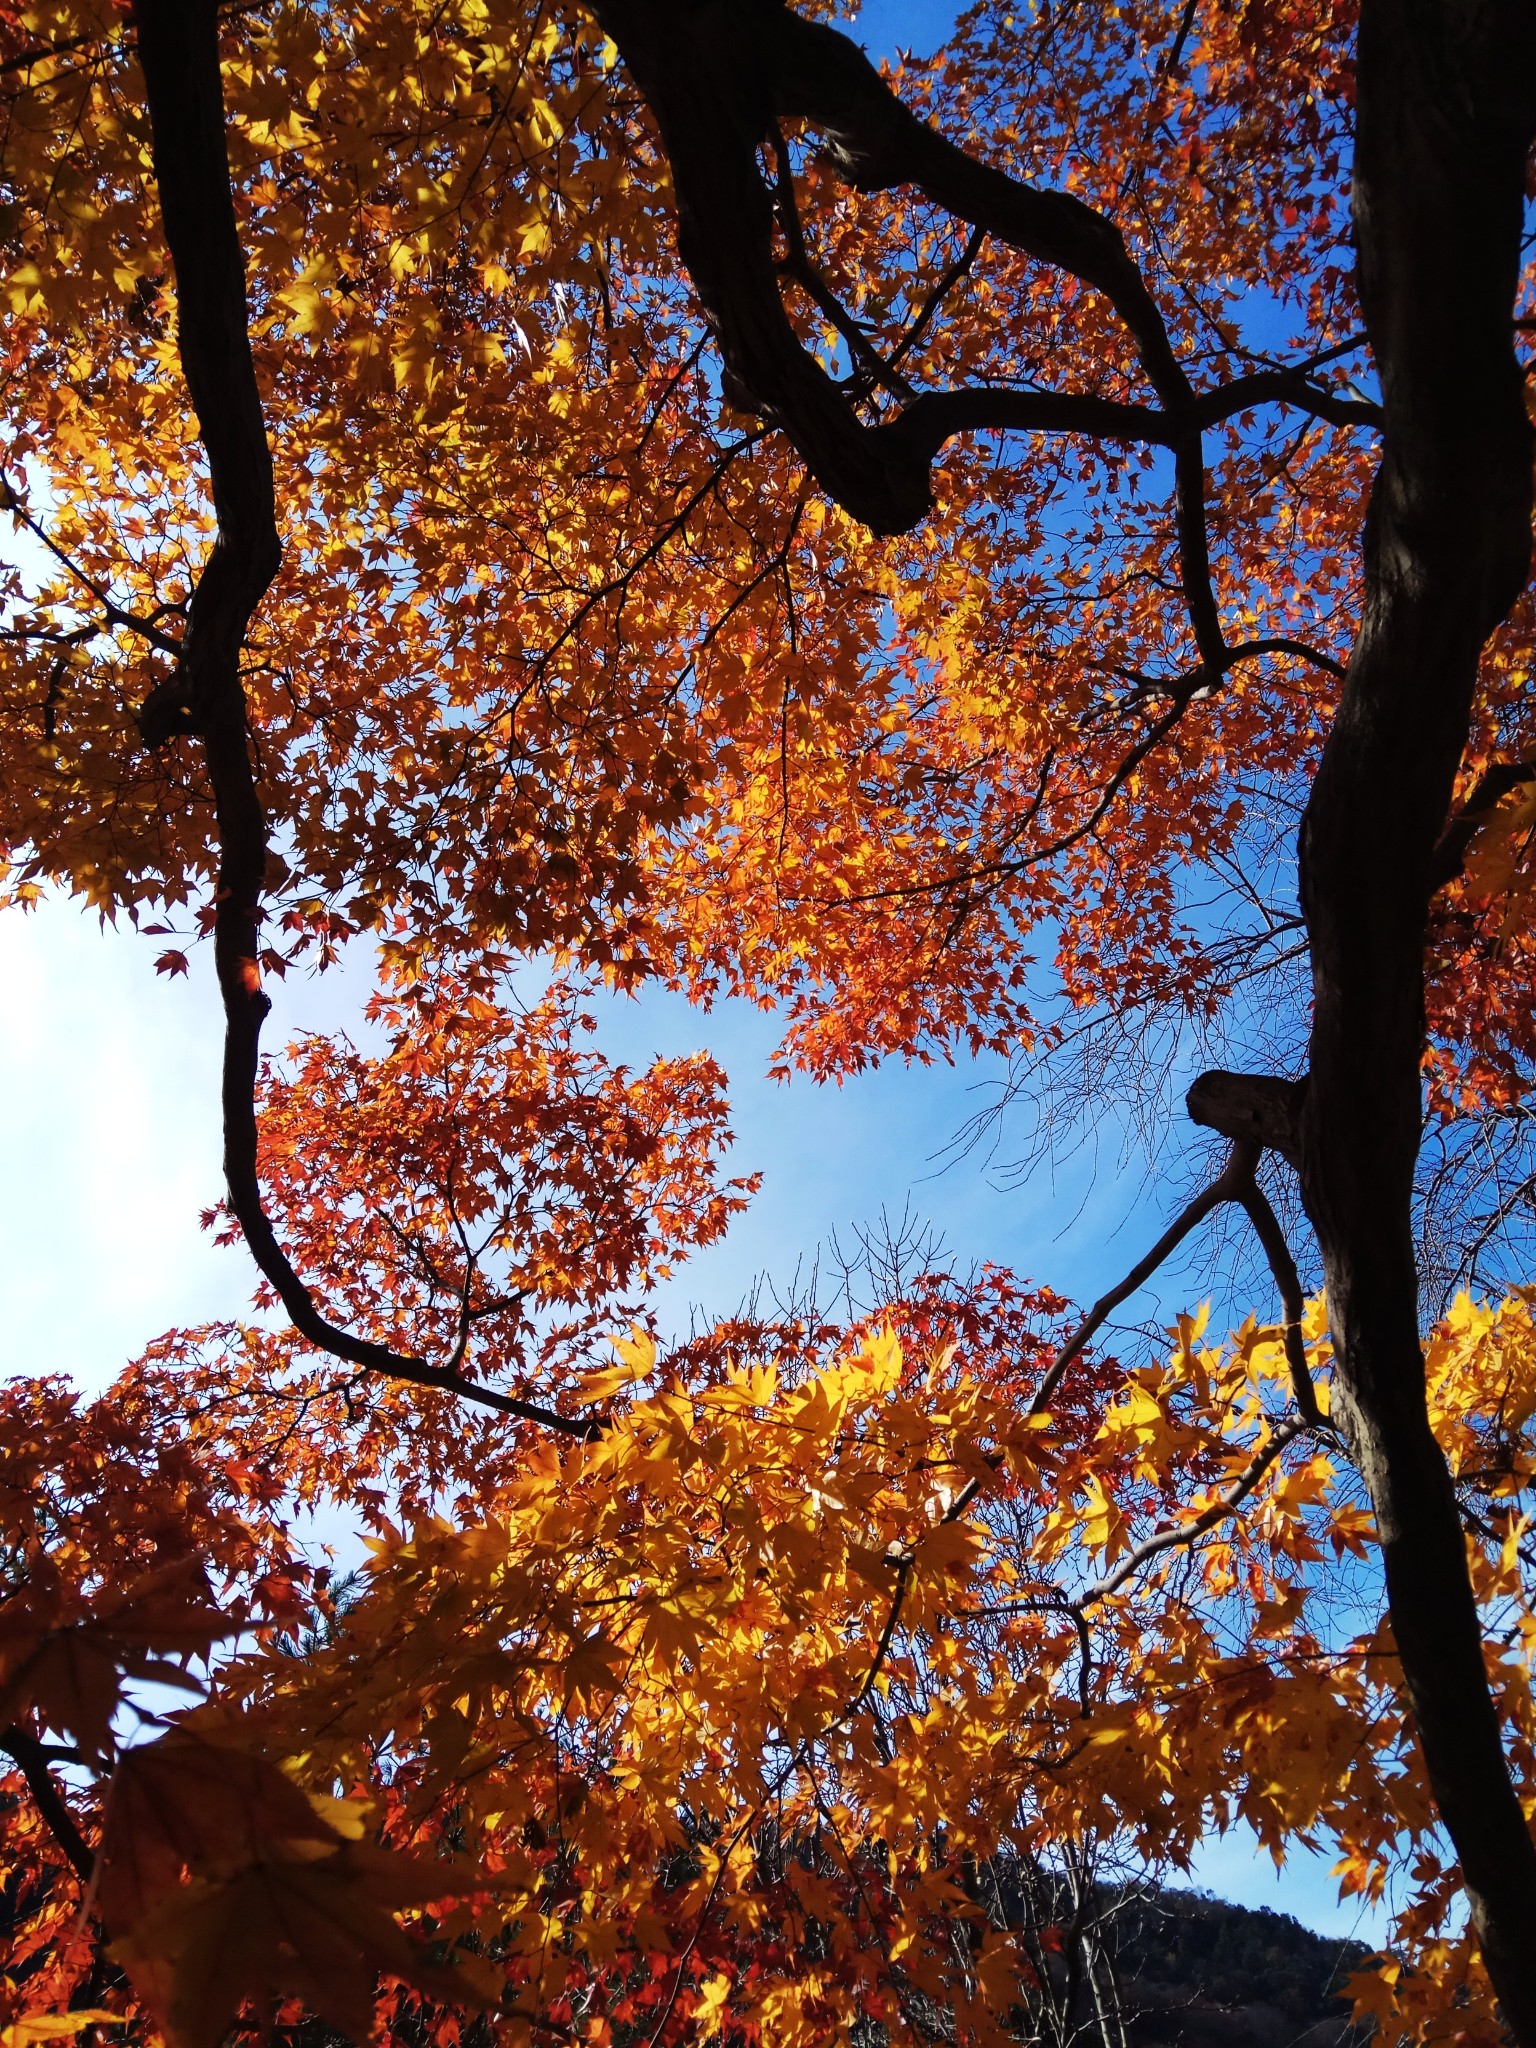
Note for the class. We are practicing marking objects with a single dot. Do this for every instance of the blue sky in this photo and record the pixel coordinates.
(884, 26)
(110, 1118)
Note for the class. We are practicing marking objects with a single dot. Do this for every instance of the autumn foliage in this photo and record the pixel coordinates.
(702, 1683)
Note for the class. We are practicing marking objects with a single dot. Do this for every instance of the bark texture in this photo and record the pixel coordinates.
(1446, 108)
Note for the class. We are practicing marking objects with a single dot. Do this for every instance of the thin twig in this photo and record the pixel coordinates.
(1187, 1532)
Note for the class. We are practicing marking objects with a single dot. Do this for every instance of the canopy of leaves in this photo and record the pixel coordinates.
(708, 1692)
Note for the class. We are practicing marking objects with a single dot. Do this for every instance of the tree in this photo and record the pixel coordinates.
(490, 600)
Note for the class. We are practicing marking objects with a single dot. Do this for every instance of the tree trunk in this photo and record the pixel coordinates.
(1446, 109)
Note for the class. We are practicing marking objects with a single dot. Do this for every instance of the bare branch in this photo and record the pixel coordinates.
(902, 1566)
(1286, 384)
(1256, 1207)
(1228, 1186)
(1181, 1533)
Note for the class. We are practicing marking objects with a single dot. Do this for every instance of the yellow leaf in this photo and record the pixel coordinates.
(1102, 1523)
(55, 2026)
(709, 2011)
(637, 1356)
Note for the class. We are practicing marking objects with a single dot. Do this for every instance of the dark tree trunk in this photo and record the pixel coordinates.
(1445, 114)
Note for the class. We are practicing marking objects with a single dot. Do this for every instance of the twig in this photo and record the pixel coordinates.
(1187, 1532)
(961, 267)
(799, 265)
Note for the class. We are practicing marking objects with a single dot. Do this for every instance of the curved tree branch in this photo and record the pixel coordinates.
(719, 75)
(1228, 1186)
(1178, 1534)
(1256, 1207)
(31, 1759)
(178, 48)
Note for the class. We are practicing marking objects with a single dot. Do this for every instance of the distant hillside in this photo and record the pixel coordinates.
(1195, 1972)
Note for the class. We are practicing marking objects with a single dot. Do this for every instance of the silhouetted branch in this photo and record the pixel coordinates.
(1228, 1186)
(1255, 1205)
(1491, 787)
(1181, 1533)
(31, 1758)
(178, 47)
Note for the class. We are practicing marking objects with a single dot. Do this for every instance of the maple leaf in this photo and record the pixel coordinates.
(593, 1670)
(55, 2026)
(1102, 1522)
(709, 2006)
(188, 1802)
(319, 1929)
(226, 1885)
(637, 1359)
(70, 1670)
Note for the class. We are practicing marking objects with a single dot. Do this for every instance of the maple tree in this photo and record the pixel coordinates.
(626, 493)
